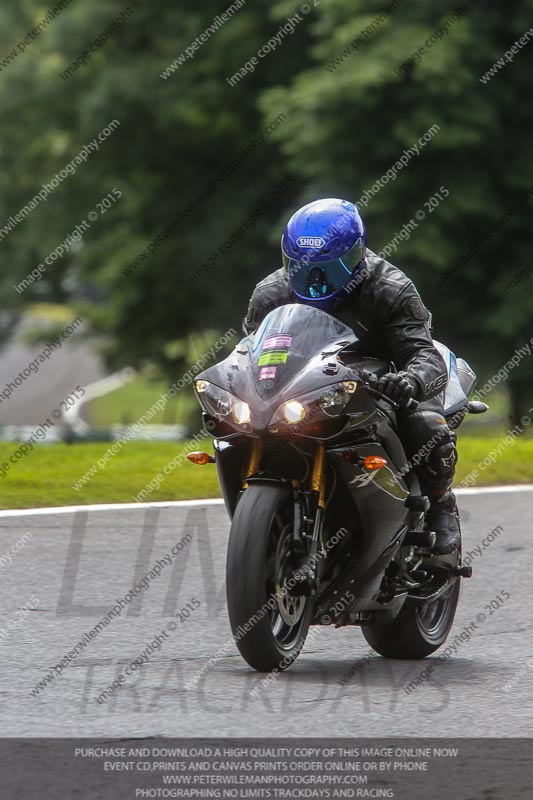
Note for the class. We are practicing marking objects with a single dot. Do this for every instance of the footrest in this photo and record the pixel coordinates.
(424, 539)
(463, 571)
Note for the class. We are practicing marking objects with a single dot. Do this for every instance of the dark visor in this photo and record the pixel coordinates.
(320, 279)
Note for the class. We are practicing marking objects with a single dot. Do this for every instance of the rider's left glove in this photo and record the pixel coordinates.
(399, 386)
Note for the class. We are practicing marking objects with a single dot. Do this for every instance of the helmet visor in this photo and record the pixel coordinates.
(320, 279)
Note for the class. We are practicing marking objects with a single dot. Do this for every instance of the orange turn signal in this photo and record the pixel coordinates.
(198, 457)
(374, 462)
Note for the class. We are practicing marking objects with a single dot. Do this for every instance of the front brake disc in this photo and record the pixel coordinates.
(290, 607)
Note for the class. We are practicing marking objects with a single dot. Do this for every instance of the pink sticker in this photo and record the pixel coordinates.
(277, 342)
(267, 373)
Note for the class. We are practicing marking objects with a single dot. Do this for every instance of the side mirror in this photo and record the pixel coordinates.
(477, 407)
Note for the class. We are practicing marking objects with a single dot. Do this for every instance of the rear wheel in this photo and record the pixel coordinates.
(268, 622)
(417, 631)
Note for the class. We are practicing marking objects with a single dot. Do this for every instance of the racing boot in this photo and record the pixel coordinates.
(443, 518)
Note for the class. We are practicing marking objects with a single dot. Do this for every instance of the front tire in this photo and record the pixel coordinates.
(416, 632)
(268, 623)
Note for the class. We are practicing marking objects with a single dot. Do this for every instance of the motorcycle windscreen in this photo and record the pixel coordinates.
(286, 341)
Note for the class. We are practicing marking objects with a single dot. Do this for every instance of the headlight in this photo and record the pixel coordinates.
(328, 402)
(293, 412)
(334, 401)
(221, 404)
(241, 412)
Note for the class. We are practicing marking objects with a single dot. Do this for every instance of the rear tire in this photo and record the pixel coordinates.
(416, 632)
(269, 626)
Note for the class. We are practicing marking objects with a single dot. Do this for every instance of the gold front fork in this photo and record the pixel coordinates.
(318, 478)
(255, 459)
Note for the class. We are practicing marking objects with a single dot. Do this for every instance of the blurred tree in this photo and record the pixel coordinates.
(350, 122)
(175, 137)
(350, 113)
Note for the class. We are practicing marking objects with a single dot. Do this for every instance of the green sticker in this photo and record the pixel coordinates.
(272, 358)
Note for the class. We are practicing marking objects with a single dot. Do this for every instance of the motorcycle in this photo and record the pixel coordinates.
(327, 513)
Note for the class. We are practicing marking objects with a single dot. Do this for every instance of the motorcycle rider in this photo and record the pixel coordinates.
(327, 265)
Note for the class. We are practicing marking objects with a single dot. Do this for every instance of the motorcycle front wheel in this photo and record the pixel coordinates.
(269, 623)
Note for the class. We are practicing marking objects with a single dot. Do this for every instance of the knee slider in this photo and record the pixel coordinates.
(444, 458)
(435, 444)
(424, 432)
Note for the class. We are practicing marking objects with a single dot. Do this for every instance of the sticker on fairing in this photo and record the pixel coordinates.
(274, 357)
(278, 342)
(267, 373)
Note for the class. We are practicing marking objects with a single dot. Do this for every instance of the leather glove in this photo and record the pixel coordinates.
(399, 386)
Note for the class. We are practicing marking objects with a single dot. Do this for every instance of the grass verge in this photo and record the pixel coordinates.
(46, 476)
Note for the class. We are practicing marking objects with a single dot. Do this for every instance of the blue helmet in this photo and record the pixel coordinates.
(323, 248)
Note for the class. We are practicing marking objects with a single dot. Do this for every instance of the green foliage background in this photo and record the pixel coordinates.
(344, 128)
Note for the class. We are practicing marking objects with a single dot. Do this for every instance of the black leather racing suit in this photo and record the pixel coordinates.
(386, 312)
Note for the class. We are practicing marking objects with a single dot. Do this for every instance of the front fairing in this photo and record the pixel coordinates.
(292, 353)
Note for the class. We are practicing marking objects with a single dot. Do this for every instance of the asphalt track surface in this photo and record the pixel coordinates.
(74, 566)
(37, 395)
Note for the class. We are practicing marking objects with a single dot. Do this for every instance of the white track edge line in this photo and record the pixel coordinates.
(22, 512)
